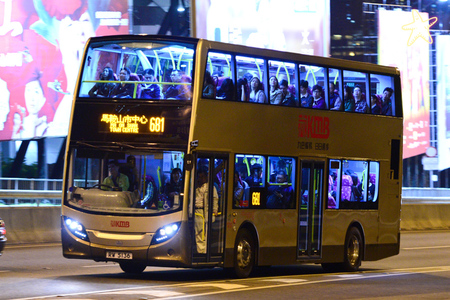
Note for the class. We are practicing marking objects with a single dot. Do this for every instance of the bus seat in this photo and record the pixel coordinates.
(372, 178)
(347, 183)
(220, 81)
(135, 77)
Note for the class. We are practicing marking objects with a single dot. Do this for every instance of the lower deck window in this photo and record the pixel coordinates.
(353, 184)
(264, 182)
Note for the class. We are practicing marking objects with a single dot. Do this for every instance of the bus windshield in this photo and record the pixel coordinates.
(138, 69)
(122, 182)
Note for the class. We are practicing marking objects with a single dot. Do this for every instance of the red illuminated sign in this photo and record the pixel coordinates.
(316, 127)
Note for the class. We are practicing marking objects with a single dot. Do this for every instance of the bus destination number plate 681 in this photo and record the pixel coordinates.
(119, 255)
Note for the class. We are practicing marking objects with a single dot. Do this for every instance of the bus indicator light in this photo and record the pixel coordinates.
(256, 198)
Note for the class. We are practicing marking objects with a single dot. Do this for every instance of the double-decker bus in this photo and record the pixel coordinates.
(185, 152)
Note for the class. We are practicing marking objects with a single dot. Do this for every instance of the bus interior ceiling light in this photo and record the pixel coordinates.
(180, 6)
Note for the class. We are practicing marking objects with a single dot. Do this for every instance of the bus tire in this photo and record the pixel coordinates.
(132, 267)
(353, 250)
(244, 254)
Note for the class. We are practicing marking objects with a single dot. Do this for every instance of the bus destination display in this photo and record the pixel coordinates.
(133, 123)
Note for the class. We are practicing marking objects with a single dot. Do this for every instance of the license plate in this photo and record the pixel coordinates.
(119, 255)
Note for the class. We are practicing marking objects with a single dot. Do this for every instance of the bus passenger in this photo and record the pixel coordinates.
(150, 90)
(256, 91)
(116, 180)
(255, 179)
(371, 189)
(241, 191)
(375, 105)
(349, 102)
(226, 90)
(335, 99)
(175, 185)
(356, 191)
(386, 109)
(201, 208)
(209, 86)
(319, 101)
(242, 90)
(276, 94)
(360, 101)
(103, 89)
(123, 90)
(288, 98)
(280, 195)
(279, 166)
(177, 91)
(306, 100)
(185, 90)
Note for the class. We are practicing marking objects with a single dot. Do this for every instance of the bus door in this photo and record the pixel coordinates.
(310, 209)
(208, 208)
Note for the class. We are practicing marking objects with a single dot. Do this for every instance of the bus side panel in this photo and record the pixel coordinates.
(276, 235)
(335, 226)
(389, 203)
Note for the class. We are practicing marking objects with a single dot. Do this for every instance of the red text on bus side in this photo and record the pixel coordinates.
(313, 127)
(120, 224)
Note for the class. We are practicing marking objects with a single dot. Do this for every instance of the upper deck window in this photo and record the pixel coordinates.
(355, 92)
(312, 91)
(282, 83)
(382, 96)
(138, 69)
(251, 71)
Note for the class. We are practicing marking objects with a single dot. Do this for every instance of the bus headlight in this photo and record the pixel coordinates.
(76, 228)
(165, 233)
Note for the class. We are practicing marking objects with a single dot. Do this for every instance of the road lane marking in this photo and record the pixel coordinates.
(337, 277)
(153, 293)
(426, 248)
(286, 280)
(223, 286)
(101, 266)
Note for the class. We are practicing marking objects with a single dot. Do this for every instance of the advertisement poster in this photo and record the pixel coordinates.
(443, 101)
(41, 45)
(413, 63)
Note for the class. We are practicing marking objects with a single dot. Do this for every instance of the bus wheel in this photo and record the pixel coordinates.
(132, 268)
(244, 252)
(353, 250)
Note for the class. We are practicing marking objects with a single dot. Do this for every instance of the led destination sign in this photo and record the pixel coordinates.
(133, 124)
(129, 123)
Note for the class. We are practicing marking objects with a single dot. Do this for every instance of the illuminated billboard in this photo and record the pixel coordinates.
(413, 62)
(443, 101)
(41, 45)
(301, 26)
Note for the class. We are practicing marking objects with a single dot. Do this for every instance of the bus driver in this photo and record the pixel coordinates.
(116, 180)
